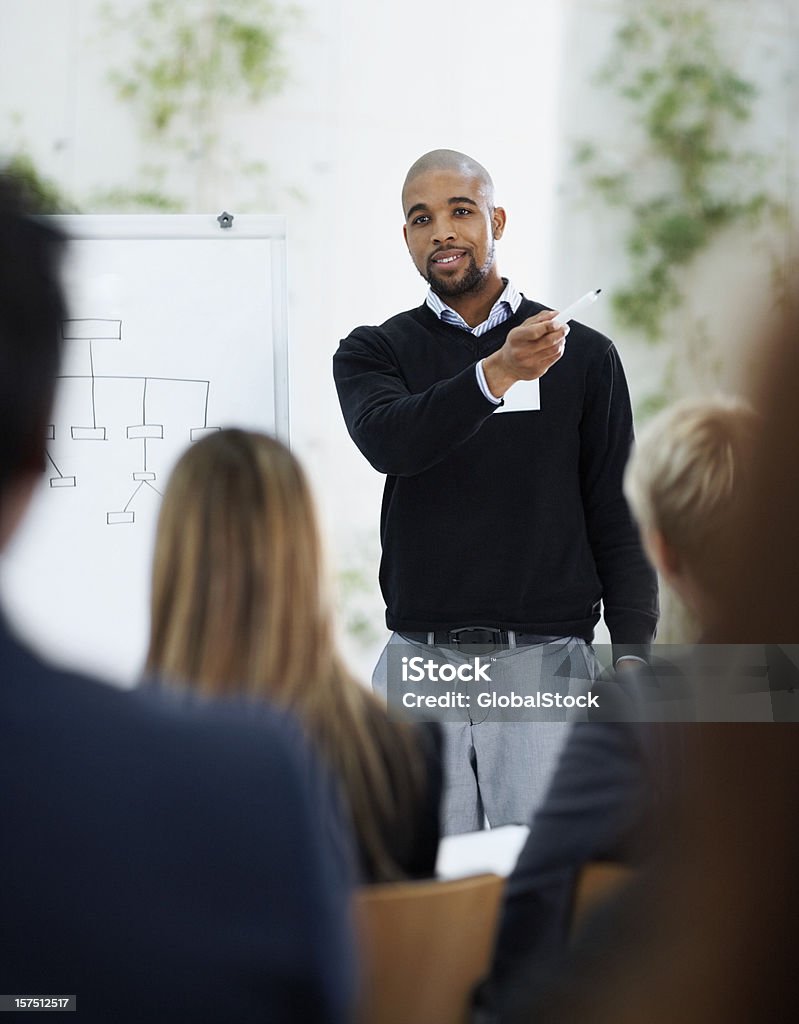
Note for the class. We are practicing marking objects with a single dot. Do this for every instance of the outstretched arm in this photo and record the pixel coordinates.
(404, 433)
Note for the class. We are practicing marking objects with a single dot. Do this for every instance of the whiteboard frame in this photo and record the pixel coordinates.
(155, 226)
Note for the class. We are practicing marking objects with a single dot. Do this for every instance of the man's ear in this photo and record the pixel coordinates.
(14, 503)
(498, 218)
(405, 233)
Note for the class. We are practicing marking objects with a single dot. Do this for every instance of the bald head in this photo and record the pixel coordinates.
(451, 225)
(453, 161)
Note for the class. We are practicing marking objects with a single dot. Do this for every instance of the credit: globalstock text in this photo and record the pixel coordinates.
(418, 669)
(491, 699)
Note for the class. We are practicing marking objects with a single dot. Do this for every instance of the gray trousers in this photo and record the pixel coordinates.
(499, 770)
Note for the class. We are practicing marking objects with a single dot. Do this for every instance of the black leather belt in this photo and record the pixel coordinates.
(486, 637)
(483, 635)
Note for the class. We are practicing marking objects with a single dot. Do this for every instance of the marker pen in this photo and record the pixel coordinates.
(570, 311)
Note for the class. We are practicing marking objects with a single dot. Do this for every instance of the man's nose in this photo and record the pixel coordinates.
(444, 232)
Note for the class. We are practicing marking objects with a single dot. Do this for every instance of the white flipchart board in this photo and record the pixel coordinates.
(177, 327)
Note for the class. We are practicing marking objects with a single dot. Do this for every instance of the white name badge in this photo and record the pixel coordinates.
(523, 396)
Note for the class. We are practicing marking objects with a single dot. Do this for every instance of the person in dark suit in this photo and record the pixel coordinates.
(707, 934)
(158, 861)
(618, 778)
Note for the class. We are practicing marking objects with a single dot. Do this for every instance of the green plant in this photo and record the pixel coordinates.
(46, 195)
(356, 598)
(147, 194)
(191, 56)
(192, 64)
(687, 179)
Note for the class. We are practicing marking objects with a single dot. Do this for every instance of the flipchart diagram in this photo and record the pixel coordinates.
(177, 326)
(137, 395)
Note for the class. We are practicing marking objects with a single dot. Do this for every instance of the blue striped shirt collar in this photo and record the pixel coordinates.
(505, 306)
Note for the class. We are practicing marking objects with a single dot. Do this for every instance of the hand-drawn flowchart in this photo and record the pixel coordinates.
(87, 332)
(177, 326)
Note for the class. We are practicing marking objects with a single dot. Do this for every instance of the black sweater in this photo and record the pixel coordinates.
(517, 519)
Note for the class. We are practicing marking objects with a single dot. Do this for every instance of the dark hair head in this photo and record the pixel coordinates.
(31, 310)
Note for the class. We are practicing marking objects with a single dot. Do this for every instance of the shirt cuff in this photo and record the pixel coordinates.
(630, 657)
(481, 383)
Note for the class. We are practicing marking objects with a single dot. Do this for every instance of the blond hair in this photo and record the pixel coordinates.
(687, 474)
(239, 607)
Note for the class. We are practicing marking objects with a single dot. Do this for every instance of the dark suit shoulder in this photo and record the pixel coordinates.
(143, 840)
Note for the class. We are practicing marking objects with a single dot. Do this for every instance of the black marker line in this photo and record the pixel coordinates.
(91, 364)
(49, 456)
(125, 509)
(127, 376)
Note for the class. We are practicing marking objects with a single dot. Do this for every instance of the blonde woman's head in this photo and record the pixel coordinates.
(685, 479)
(239, 608)
(237, 602)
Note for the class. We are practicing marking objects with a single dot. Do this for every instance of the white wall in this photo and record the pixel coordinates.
(372, 86)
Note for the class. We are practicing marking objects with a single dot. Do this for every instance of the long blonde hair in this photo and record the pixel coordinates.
(239, 606)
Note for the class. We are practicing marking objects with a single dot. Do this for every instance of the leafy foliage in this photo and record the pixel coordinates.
(193, 63)
(687, 180)
(45, 195)
(189, 54)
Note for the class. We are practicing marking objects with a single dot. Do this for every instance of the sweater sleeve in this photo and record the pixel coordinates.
(629, 584)
(403, 433)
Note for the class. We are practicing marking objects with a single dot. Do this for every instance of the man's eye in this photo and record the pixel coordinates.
(421, 219)
(463, 209)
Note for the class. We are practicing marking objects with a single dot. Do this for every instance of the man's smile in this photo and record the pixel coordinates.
(447, 256)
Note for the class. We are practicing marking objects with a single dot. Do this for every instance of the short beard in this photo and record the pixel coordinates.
(471, 281)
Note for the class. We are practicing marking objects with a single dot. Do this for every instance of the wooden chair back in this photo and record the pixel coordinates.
(424, 946)
(597, 882)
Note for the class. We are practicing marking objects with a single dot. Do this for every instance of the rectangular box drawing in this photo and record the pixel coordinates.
(120, 517)
(198, 433)
(88, 433)
(146, 430)
(91, 330)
